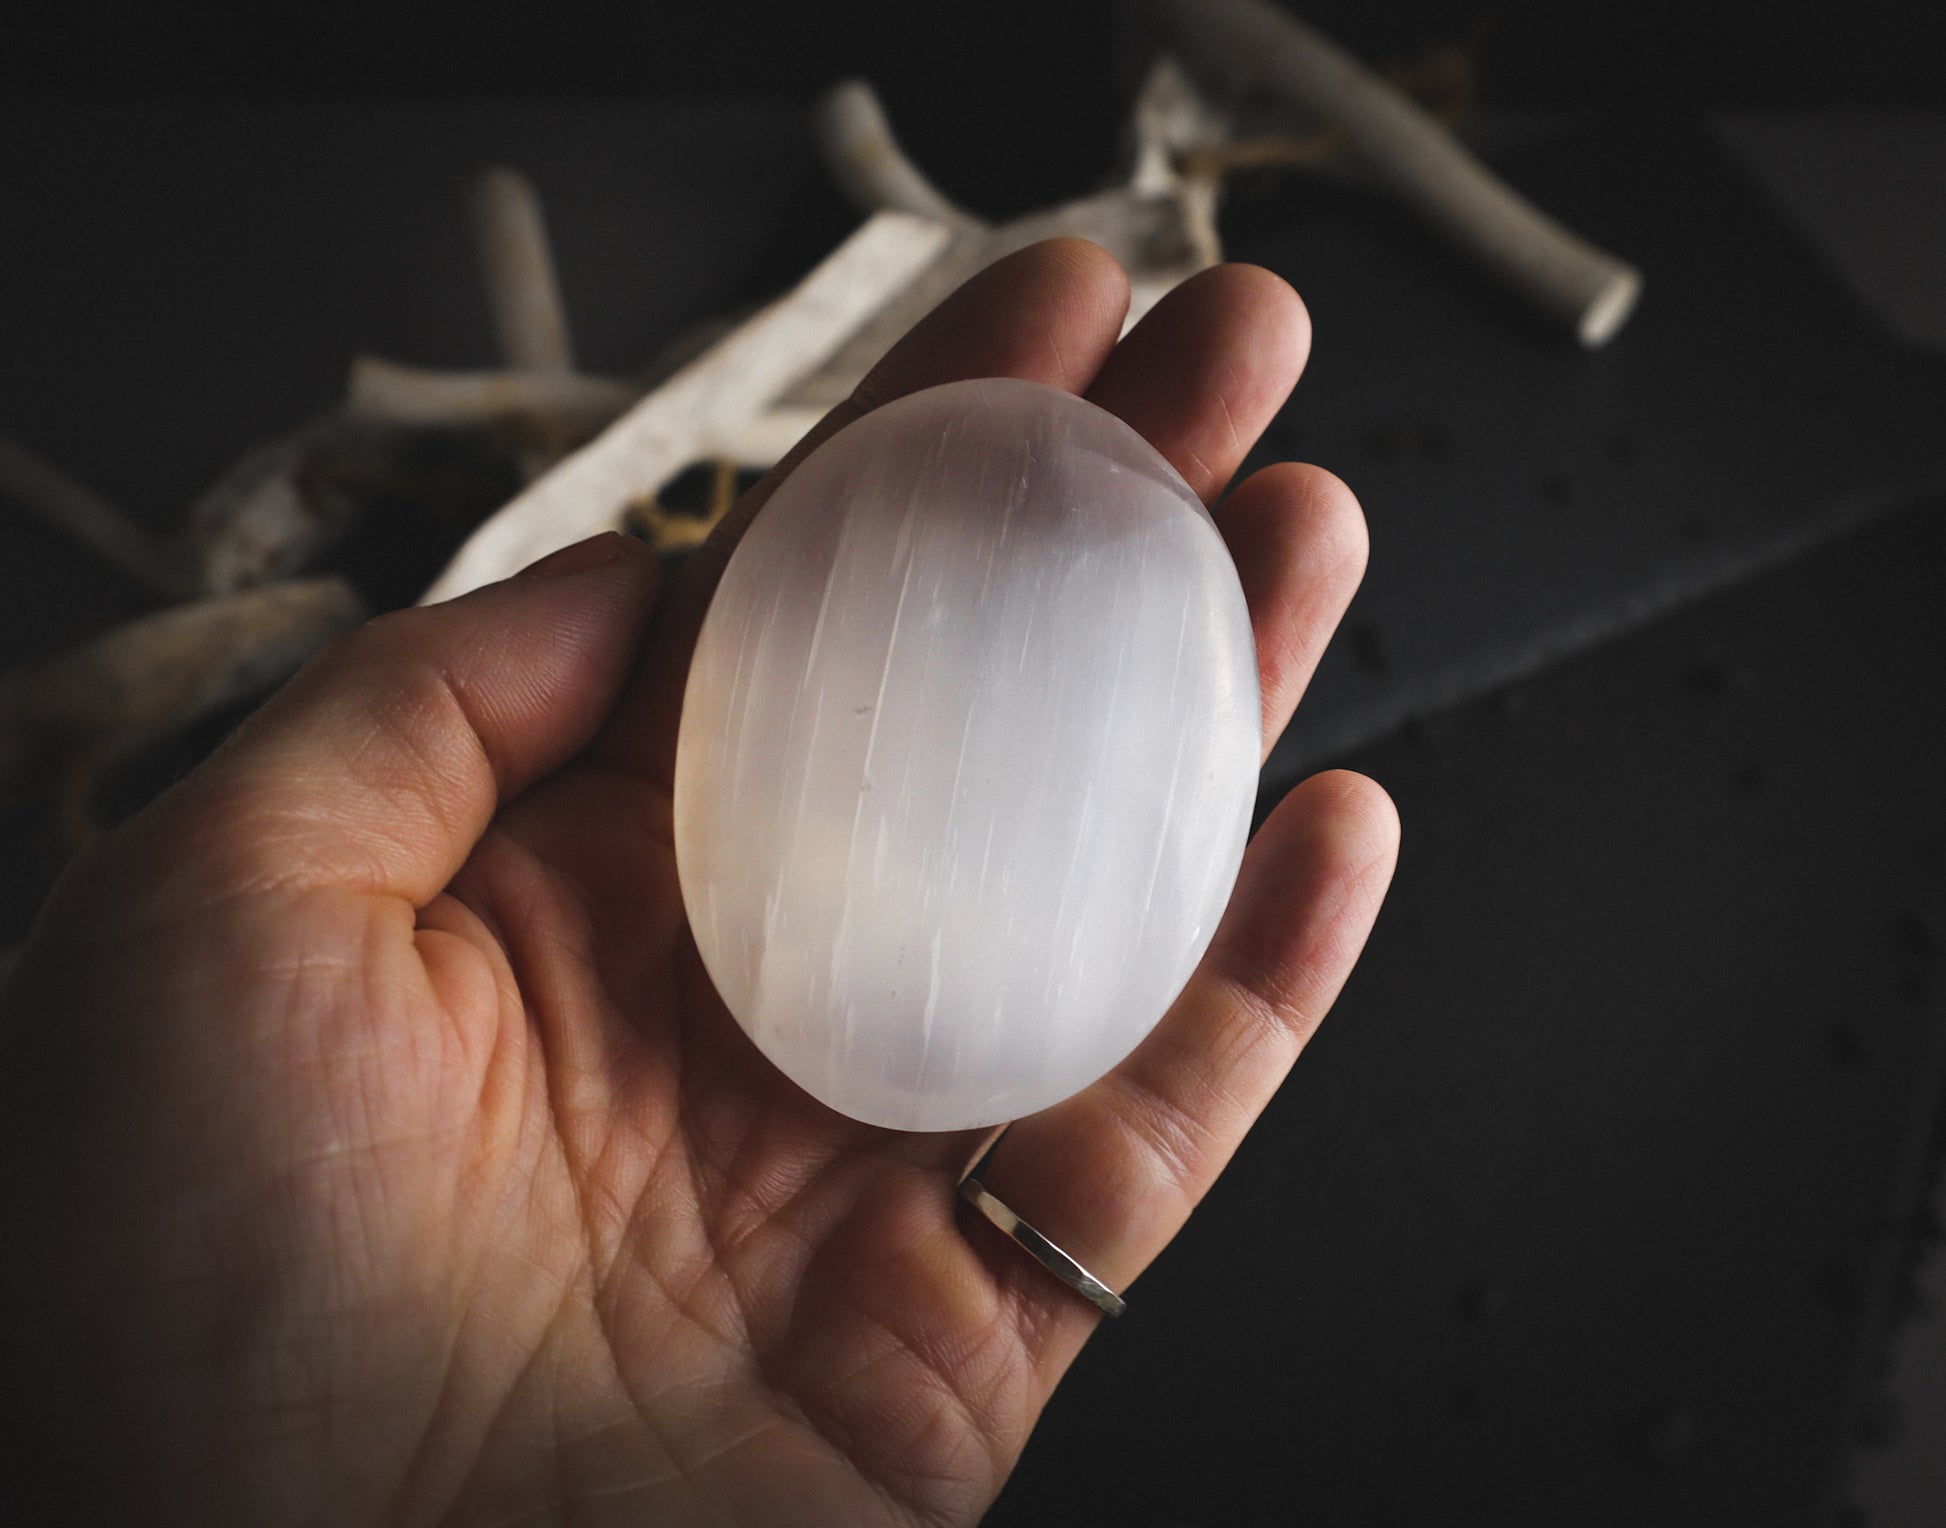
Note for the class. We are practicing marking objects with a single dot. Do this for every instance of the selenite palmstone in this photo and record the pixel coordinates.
(967, 757)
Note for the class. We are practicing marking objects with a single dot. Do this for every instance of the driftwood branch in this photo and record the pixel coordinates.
(754, 392)
(1250, 47)
(762, 440)
(141, 681)
(530, 321)
(868, 163)
(270, 513)
(32, 484)
(414, 397)
(1170, 124)
(1161, 225)
(751, 392)
(735, 381)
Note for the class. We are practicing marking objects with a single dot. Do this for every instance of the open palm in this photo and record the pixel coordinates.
(386, 1154)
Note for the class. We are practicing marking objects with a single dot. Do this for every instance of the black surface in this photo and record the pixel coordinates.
(1527, 499)
(1586, 1203)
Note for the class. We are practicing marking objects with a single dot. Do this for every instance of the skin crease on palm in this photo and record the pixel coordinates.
(377, 1150)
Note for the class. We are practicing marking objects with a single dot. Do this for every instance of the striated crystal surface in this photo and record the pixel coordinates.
(968, 756)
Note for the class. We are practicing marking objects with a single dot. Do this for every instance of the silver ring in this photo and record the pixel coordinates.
(1037, 1246)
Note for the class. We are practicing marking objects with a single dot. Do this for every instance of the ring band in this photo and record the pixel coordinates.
(1037, 1246)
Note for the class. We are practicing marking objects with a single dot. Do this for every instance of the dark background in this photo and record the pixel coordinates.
(1044, 81)
(1598, 1199)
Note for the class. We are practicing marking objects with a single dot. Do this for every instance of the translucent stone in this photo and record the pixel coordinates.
(968, 756)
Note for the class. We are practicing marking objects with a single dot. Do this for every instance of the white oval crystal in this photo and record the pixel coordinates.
(968, 756)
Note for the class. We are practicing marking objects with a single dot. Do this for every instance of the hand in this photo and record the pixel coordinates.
(378, 1150)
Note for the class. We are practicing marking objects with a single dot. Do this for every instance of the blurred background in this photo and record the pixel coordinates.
(1607, 1195)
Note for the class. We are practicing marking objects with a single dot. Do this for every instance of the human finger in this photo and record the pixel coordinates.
(1112, 1173)
(379, 766)
(1299, 542)
(1207, 369)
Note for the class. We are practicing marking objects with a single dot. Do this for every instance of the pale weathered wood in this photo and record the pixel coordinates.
(1250, 47)
(1160, 224)
(268, 515)
(870, 167)
(735, 380)
(763, 440)
(146, 678)
(416, 397)
(530, 321)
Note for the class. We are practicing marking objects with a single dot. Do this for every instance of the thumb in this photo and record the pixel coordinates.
(379, 766)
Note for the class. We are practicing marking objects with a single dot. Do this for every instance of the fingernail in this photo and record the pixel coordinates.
(577, 557)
